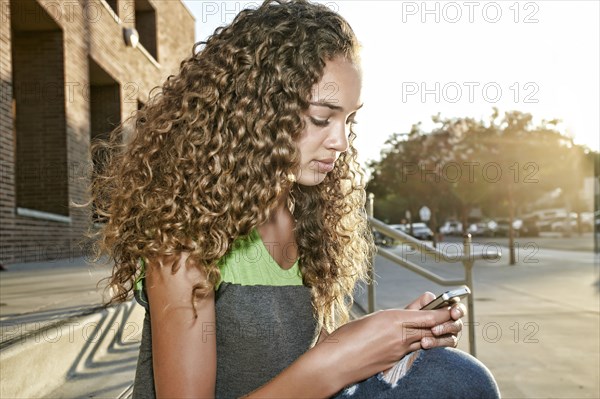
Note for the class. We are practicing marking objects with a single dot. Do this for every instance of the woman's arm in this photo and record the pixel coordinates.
(184, 354)
(353, 352)
(322, 336)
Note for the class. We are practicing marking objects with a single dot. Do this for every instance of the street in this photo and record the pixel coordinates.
(537, 323)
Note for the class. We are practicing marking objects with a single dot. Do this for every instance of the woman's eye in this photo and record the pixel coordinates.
(351, 120)
(319, 122)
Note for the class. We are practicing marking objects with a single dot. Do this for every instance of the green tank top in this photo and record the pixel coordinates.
(250, 263)
(247, 263)
(264, 321)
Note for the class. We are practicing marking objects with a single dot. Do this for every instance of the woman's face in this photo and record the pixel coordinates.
(335, 100)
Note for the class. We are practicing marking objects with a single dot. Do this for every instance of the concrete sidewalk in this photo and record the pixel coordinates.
(36, 293)
(56, 340)
(555, 241)
(537, 323)
(538, 328)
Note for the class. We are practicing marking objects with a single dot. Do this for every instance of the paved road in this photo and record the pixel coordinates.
(584, 242)
(539, 321)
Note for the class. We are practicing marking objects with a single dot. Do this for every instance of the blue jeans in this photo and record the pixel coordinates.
(435, 373)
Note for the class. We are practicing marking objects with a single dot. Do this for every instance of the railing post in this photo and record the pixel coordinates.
(371, 273)
(468, 265)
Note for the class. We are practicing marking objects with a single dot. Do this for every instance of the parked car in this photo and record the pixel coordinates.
(529, 228)
(385, 241)
(502, 227)
(560, 225)
(545, 225)
(401, 227)
(420, 231)
(482, 229)
(382, 239)
(451, 227)
(557, 221)
(585, 222)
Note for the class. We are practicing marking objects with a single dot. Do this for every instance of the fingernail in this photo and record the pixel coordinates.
(425, 342)
(438, 330)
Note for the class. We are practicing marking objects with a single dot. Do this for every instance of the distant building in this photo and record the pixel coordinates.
(71, 70)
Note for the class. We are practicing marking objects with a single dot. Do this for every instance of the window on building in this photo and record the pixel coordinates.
(114, 5)
(145, 24)
(41, 162)
(105, 113)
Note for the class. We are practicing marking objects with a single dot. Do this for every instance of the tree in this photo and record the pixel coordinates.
(498, 165)
(404, 179)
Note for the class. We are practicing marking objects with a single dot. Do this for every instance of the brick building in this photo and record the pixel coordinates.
(70, 71)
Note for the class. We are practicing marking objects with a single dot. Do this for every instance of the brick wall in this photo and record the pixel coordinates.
(7, 138)
(55, 127)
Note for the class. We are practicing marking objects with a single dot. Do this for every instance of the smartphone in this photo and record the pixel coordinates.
(447, 298)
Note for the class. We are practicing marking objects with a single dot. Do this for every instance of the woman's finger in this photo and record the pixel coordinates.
(449, 327)
(448, 340)
(413, 333)
(424, 318)
(458, 310)
(421, 301)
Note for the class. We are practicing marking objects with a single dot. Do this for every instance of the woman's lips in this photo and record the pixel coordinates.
(325, 166)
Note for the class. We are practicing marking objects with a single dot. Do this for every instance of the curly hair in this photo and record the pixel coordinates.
(207, 160)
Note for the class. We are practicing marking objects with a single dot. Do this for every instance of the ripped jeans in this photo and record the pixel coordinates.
(434, 373)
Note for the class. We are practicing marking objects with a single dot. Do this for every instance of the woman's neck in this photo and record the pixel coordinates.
(281, 216)
(278, 231)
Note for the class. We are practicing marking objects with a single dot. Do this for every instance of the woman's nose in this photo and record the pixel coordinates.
(338, 138)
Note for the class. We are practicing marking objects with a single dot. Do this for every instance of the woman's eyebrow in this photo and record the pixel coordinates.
(332, 106)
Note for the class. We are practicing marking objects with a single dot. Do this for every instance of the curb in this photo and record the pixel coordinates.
(42, 361)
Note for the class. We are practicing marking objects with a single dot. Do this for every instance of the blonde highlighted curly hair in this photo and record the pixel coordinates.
(209, 155)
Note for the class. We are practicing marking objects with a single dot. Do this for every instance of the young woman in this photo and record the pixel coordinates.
(235, 212)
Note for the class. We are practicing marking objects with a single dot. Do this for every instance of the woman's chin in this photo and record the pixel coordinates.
(313, 180)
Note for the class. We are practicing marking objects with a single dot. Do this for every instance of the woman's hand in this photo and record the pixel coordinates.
(375, 342)
(445, 334)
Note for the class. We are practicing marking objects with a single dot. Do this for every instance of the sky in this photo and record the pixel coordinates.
(461, 59)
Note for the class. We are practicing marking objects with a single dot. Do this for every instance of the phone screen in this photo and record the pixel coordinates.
(447, 298)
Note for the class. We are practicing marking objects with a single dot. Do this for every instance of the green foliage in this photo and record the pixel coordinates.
(498, 165)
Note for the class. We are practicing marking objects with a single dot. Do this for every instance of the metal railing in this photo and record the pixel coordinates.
(468, 259)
